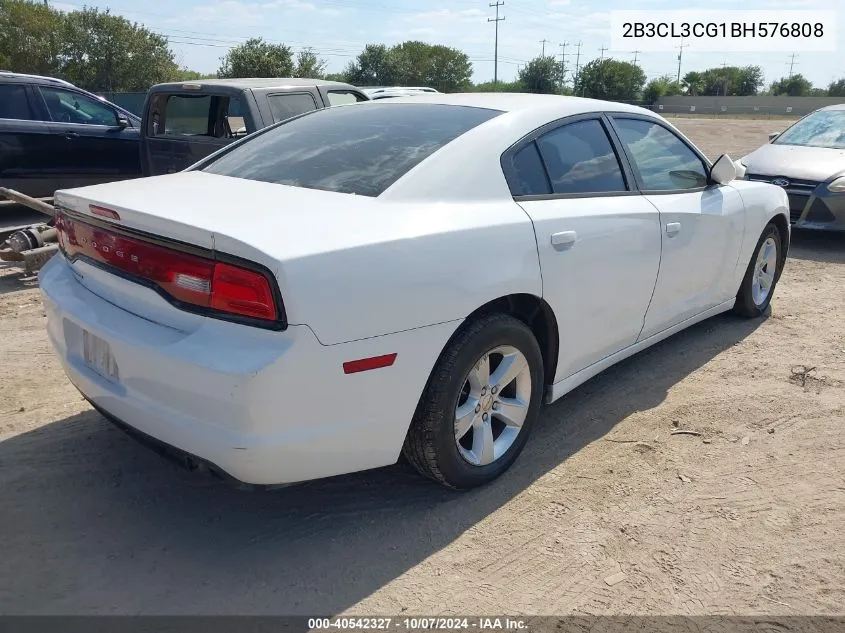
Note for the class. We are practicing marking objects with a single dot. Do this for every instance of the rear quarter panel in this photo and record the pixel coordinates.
(406, 266)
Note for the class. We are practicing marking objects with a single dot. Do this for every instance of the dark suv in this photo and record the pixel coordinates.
(55, 136)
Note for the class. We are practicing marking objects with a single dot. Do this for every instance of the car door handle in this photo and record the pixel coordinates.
(564, 238)
(71, 135)
(673, 228)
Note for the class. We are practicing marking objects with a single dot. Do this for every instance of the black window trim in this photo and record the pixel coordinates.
(506, 160)
(708, 166)
(291, 92)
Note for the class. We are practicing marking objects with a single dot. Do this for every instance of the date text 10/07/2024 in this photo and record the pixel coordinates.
(418, 624)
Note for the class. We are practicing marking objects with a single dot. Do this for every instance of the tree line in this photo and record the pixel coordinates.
(101, 52)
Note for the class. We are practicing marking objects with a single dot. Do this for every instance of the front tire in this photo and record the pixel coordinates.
(761, 277)
(479, 405)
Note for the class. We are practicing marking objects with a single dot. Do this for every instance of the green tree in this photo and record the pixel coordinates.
(309, 65)
(499, 86)
(341, 76)
(732, 81)
(372, 67)
(257, 58)
(693, 83)
(28, 42)
(540, 75)
(184, 74)
(411, 63)
(610, 79)
(104, 52)
(664, 86)
(836, 88)
(795, 86)
(420, 64)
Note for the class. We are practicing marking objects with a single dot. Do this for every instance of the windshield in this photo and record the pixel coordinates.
(825, 128)
(360, 149)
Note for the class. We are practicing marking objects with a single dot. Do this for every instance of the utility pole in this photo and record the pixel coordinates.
(602, 49)
(791, 64)
(577, 65)
(497, 19)
(543, 42)
(680, 57)
(563, 63)
(636, 56)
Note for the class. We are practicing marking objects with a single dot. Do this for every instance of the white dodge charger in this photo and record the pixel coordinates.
(412, 276)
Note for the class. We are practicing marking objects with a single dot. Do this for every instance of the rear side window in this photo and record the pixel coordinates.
(342, 97)
(580, 159)
(531, 179)
(361, 150)
(14, 103)
(288, 105)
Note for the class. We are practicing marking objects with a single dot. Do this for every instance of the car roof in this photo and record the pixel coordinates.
(251, 83)
(5, 74)
(521, 102)
(836, 106)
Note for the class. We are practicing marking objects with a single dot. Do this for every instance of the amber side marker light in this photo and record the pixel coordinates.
(366, 364)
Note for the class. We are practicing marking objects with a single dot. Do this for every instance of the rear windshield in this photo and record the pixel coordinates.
(360, 149)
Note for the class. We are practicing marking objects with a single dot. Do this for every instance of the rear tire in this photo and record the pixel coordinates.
(466, 430)
(761, 276)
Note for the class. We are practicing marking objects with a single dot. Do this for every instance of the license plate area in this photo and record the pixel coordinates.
(98, 357)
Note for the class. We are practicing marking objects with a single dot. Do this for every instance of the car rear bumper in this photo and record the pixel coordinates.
(262, 407)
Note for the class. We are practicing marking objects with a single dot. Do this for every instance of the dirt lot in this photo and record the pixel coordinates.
(745, 518)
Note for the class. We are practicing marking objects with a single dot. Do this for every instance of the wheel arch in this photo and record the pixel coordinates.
(782, 224)
(535, 313)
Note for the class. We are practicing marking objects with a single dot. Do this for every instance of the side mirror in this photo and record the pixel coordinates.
(740, 169)
(773, 136)
(122, 121)
(723, 170)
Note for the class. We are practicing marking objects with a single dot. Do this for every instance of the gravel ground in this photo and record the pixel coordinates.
(606, 512)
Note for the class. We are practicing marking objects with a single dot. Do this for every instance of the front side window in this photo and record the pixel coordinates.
(361, 150)
(14, 103)
(66, 106)
(186, 115)
(825, 128)
(664, 161)
(288, 105)
(580, 159)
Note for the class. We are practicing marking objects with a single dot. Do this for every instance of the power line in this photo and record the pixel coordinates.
(497, 19)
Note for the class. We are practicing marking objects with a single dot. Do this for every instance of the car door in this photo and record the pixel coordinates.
(598, 239)
(183, 128)
(93, 147)
(702, 224)
(26, 145)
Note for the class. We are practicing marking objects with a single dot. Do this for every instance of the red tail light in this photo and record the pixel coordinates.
(189, 279)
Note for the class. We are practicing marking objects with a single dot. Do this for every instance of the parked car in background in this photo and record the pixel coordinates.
(410, 275)
(54, 135)
(184, 122)
(808, 161)
(397, 91)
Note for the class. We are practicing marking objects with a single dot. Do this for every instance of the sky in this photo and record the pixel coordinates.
(201, 31)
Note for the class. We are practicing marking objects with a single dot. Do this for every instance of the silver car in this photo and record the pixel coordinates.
(808, 161)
